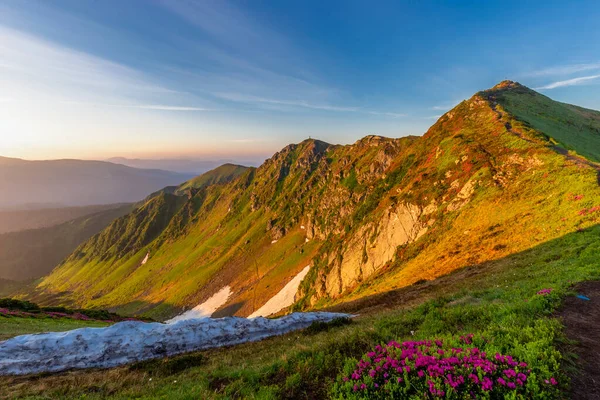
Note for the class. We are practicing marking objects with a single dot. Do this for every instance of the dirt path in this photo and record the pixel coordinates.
(582, 324)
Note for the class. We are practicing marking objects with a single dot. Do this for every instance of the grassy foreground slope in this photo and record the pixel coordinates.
(369, 217)
(496, 300)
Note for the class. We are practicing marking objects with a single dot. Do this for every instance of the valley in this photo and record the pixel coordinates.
(479, 229)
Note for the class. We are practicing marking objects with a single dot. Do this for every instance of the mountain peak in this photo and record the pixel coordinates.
(507, 84)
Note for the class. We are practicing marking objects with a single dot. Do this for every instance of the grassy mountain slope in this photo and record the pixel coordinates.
(525, 194)
(369, 217)
(223, 173)
(33, 253)
(571, 127)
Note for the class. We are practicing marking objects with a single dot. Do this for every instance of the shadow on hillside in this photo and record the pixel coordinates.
(470, 277)
(229, 310)
(33, 294)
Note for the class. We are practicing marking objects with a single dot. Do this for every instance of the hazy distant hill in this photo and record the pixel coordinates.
(77, 182)
(32, 253)
(195, 167)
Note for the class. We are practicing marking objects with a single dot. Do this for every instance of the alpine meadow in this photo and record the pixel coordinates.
(279, 200)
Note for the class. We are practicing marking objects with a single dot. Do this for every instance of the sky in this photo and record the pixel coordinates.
(210, 79)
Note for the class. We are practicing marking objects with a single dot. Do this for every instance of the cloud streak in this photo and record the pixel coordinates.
(34, 69)
(564, 70)
(569, 82)
(236, 97)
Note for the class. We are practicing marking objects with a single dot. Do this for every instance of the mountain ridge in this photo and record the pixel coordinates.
(368, 217)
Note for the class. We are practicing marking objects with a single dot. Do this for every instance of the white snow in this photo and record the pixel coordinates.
(132, 341)
(206, 309)
(145, 260)
(283, 299)
(302, 227)
(273, 241)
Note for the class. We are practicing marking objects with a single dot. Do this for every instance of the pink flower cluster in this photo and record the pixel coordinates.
(14, 313)
(429, 369)
(544, 292)
(591, 210)
(55, 314)
(5, 312)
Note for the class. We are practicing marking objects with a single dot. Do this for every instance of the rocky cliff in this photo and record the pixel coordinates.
(377, 214)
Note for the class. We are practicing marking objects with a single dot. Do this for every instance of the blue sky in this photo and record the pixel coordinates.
(209, 79)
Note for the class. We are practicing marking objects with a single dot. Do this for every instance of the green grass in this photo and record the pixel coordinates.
(15, 326)
(573, 128)
(496, 300)
(224, 173)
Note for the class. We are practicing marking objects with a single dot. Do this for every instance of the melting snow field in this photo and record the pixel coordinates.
(132, 341)
(206, 309)
(283, 299)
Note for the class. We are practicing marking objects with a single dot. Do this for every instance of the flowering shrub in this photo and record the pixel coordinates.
(591, 210)
(544, 292)
(80, 316)
(5, 312)
(426, 369)
(57, 314)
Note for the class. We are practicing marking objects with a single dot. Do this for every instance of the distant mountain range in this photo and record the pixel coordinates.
(501, 173)
(39, 239)
(60, 183)
(32, 253)
(195, 167)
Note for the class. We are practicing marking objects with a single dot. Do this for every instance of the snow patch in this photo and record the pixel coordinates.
(273, 241)
(145, 260)
(206, 309)
(283, 299)
(302, 227)
(133, 341)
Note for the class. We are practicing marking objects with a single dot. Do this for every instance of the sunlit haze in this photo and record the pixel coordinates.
(216, 79)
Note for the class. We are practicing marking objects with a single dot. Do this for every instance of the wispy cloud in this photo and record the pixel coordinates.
(170, 108)
(564, 70)
(304, 104)
(34, 69)
(386, 114)
(245, 61)
(237, 97)
(244, 36)
(569, 82)
(248, 140)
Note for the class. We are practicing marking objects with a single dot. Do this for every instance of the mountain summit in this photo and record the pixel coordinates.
(500, 173)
